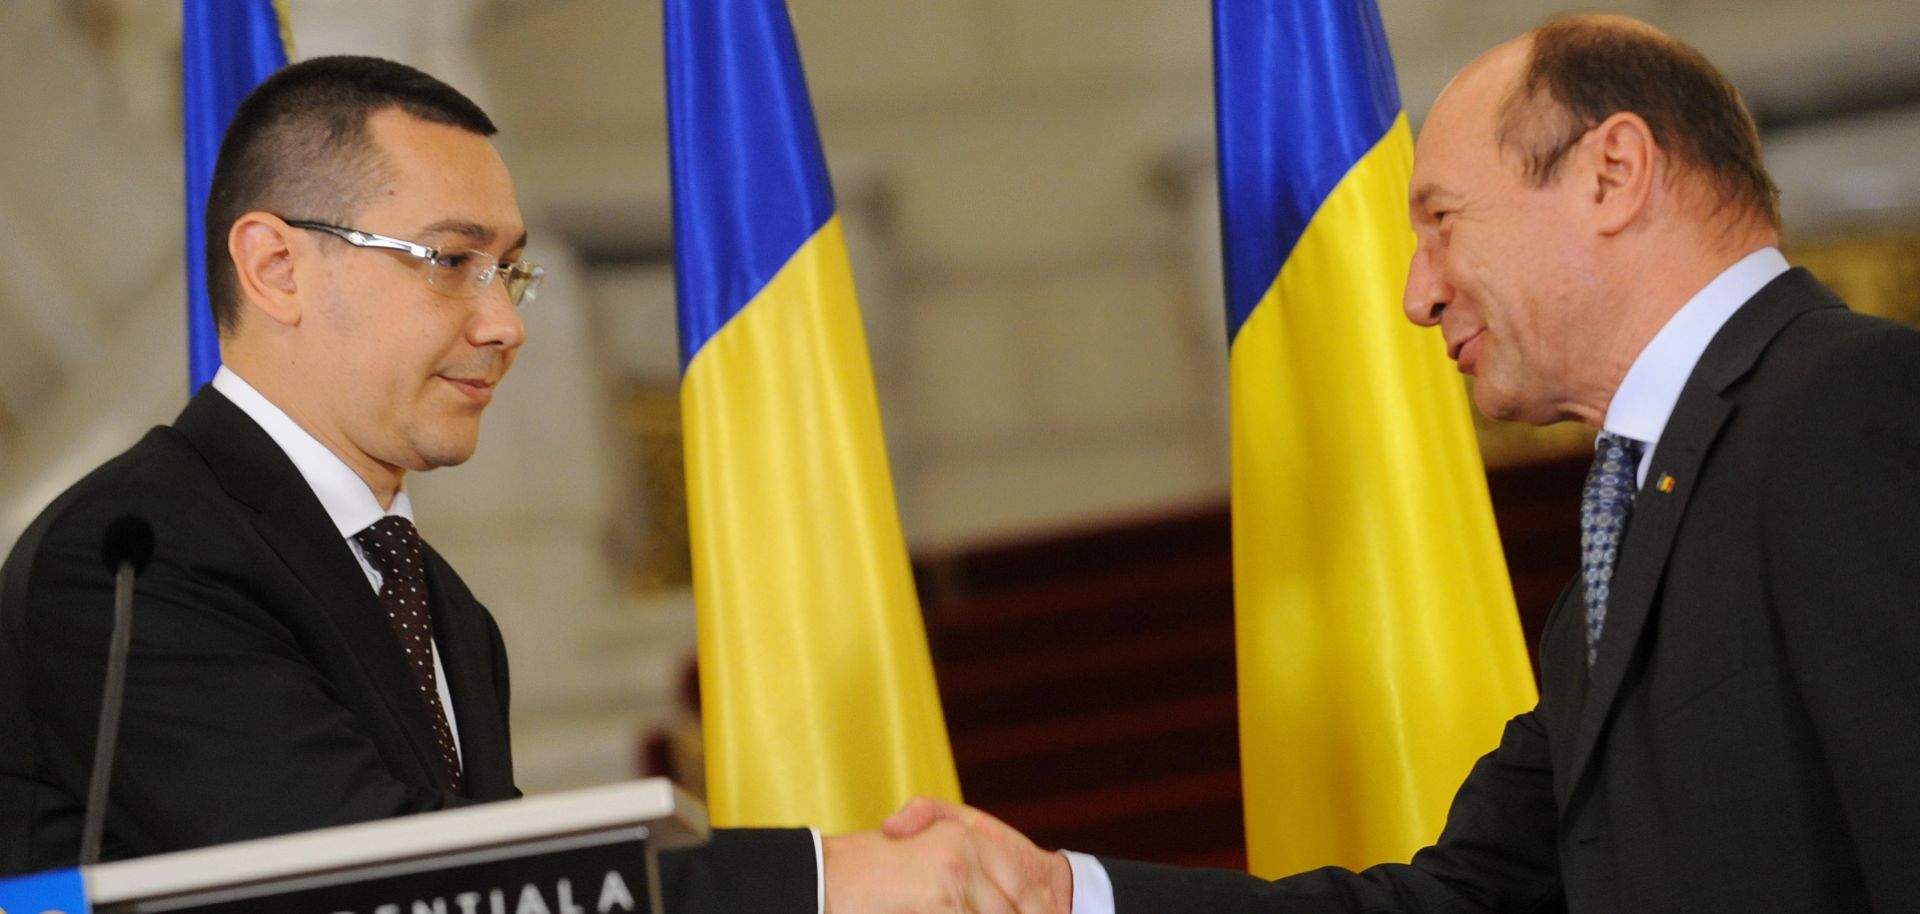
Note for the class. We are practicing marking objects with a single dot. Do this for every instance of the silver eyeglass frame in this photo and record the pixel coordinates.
(430, 256)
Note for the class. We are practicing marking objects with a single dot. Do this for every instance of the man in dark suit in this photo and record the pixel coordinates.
(1730, 700)
(300, 657)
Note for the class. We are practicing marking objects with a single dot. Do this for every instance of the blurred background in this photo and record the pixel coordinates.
(1028, 189)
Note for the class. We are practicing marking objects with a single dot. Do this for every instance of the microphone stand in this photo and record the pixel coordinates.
(129, 543)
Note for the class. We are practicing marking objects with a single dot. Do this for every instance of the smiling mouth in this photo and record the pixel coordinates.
(478, 391)
(1454, 349)
(1466, 353)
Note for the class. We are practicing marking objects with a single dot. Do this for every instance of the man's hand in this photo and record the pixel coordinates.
(1034, 879)
(939, 869)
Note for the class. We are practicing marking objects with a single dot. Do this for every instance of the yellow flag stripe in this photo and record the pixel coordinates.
(1379, 649)
(817, 688)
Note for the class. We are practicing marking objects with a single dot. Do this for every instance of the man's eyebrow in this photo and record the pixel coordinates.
(474, 231)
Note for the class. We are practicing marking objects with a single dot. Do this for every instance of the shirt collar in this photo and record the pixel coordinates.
(1646, 397)
(341, 491)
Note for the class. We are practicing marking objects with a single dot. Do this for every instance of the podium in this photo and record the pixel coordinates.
(589, 851)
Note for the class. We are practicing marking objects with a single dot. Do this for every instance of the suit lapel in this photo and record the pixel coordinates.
(291, 520)
(466, 653)
(1684, 449)
(1642, 562)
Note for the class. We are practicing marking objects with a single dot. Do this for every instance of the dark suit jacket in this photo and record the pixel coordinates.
(266, 692)
(1749, 737)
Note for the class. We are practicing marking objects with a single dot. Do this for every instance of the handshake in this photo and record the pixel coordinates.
(934, 857)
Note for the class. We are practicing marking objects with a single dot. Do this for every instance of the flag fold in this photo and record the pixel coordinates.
(1379, 650)
(817, 688)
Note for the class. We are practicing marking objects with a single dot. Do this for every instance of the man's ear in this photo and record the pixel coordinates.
(1623, 159)
(263, 250)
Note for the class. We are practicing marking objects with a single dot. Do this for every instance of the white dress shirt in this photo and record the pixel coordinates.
(1645, 400)
(1639, 410)
(341, 491)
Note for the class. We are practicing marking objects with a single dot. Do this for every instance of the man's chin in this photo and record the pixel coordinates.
(1507, 406)
(447, 451)
(1498, 402)
(448, 458)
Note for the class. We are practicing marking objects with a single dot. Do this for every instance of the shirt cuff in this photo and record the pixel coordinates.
(820, 874)
(1092, 890)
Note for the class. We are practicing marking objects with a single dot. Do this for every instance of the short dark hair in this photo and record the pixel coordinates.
(299, 146)
(1585, 68)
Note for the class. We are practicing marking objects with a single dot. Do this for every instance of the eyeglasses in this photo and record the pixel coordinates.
(463, 273)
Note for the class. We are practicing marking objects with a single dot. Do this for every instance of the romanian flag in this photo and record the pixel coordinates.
(816, 687)
(1379, 649)
(228, 47)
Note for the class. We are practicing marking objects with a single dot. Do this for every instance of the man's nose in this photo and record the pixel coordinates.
(496, 320)
(1427, 293)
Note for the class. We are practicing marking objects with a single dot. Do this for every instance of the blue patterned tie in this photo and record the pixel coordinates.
(1604, 507)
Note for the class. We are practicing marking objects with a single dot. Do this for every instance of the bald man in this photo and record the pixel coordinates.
(1729, 716)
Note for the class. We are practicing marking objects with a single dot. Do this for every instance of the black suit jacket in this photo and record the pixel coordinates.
(1748, 739)
(266, 692)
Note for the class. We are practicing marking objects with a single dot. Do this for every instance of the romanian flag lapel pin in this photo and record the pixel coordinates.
(1665, 485)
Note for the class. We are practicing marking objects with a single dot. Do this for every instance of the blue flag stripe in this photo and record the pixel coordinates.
(228, 47)
(1290, 130)
(749, 178)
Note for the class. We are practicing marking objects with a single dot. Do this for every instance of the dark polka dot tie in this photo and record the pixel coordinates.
(1604, 507)
(392, 545)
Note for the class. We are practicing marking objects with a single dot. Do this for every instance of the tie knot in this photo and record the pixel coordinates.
(1616, 455)
(393, 546)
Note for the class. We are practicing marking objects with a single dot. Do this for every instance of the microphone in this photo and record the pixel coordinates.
(128, 539)
(125, 549)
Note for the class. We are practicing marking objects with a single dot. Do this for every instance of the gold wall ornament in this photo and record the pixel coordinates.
(654, 551)
(1874, 274)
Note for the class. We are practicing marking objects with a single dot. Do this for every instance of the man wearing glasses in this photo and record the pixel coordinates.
(301, 658)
